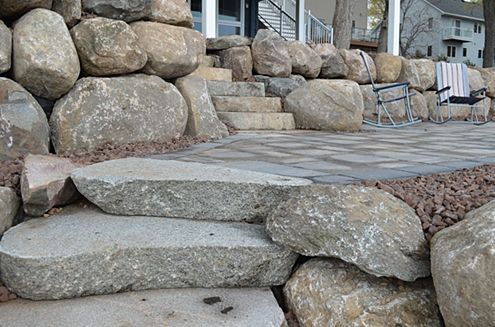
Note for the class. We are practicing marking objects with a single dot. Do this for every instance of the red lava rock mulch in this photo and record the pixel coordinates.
(442, 200)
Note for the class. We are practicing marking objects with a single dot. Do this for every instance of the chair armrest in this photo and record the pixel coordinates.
(445, 89)
(392, 86)
(478, 92)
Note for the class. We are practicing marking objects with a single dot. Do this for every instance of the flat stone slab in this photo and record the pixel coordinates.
(176, 307)
(213, 74)
(236, 89)
(182, 190)
(83, 252)
(246, 104)
(246, 121)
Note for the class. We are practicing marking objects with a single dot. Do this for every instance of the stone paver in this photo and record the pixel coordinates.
(372, 153)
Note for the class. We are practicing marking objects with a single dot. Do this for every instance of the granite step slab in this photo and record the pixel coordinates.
(177, 189)
(83, 251)
(213, 74)
(247, 104)
(158, 308)
(236, 89)
(250, 121)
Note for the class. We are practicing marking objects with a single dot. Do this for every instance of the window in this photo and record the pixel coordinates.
(353, 24)
(230, 17)
(429, 52)
(430, 23)
(479, 29)
(464, 52)
(480, 54)
(475, 27)
(451, 51)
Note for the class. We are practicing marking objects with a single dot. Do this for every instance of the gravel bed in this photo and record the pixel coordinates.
(442, 200)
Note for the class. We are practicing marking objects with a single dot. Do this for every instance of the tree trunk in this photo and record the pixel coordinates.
(383, 38)
(342, 24)
(489, 53)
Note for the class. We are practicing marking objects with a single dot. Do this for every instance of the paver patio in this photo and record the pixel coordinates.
(348, 157)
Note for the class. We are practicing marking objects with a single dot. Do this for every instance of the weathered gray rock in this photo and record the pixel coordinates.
(335, 105)
(240, 61)
(69, 9)
(419, 104)
(427, 73)
(258, 121)
(46, 183)
(463, 265)
(172, 51)
(9, 205)
(388, 67)
(357, 69)
(237, 89)
(6, 48)
(476, 82)
(202, 118)
(23, 125)
(280, 86)
(305, 61)
(15, 8)
(488, 76)
(227, 42)
(410, 74)
(333, 65)
(213, 74)
(247, 104)
(173, 12)
(363, 226)
(271, 54)
(108, 47)
(327, 292)
(185, 190)
(175, 307)
(45, 60)
(117, 110)
(111, 255)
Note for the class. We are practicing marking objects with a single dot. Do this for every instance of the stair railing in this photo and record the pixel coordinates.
(284, 18)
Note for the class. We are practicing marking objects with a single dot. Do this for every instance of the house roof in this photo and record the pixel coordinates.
(459, 8)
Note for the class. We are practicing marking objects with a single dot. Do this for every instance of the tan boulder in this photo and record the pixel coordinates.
(409, 74)
(305, 61)
(388, 67)
(271, 54)
(356, 66)
(240, 61)
(427, 73)
(333, 65)
(69, 9)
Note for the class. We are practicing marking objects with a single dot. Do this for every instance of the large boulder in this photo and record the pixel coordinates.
(45, 60)
(69, 9)
(271, 54)
(333, 65)
(458, 113)
(108, 47)
(364, 226)
(23, 124)
(335, 105)
(419, 104)
(227, 42)
(172, 51)
(173, 12)
(281, 87)
(240, 61)
(327, 292)
(476, 81)
(6, 48)
(46, 183)
(117, 110)
(463, 265)
(357, 68)
(9, 205)
(409, 74)
(427, 73)
(14, 8)
(202, 118)
(305, 61)
(388, 67)
(488, 75)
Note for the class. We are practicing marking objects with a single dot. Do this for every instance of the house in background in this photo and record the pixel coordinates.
(454, 29)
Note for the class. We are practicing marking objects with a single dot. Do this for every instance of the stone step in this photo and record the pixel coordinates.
(213, 74)
(258, 121)
(159, 308)
(82, 252)
(182, 189)
(247, 104)
(236, 89)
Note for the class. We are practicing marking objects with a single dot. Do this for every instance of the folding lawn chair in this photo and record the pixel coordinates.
(453, 91)
(383, 100)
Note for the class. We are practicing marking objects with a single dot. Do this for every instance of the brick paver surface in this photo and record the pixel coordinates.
(347, 157)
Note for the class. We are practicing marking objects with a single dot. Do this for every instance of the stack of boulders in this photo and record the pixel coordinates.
(80, 74)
